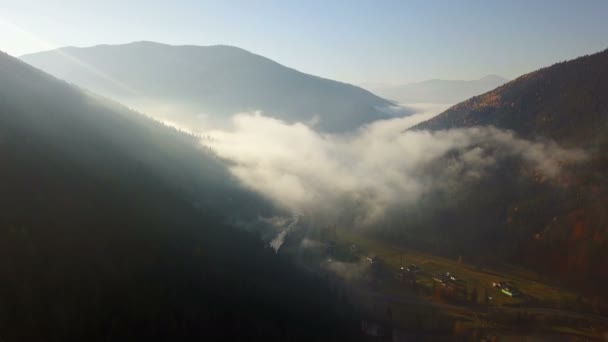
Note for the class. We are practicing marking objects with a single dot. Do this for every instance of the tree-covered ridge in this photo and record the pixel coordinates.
(555, 226)
(115, 227)
(565, 102)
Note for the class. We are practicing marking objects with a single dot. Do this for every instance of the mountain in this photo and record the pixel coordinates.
(439, 91)
(565, 102)
(212, 82)
(557, 227)
(116, 227)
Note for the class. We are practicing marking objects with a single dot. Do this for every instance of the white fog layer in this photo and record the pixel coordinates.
(380, 166)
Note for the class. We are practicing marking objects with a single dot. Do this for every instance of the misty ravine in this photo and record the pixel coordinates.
(357, 179)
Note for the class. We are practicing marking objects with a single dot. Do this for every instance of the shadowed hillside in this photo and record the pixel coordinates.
(114, 227)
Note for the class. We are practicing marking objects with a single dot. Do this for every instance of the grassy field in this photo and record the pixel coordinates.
(534, 290)
(543, 310)
(537, 294)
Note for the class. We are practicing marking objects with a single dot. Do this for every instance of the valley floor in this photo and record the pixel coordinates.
(420, 305)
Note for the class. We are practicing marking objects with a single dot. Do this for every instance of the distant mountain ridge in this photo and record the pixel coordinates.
(217, 81)
(439, 91)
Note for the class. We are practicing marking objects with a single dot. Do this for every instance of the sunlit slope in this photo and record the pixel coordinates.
(566, 102)
(555, 226)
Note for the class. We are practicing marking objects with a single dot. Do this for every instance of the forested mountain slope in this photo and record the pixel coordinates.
(556, 226)
(565, 102)
(114, 227)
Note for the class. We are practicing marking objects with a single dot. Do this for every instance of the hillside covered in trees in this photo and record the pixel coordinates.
(115, 227)
(556, 226)
(565, 102)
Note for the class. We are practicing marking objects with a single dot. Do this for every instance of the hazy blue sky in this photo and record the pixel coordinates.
(348, 40)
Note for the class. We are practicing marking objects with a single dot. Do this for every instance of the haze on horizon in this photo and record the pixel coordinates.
(361, 42)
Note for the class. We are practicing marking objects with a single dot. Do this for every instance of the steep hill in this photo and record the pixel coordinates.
(565, 102)
(557, 226)
(114, 227)
(212, 82)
